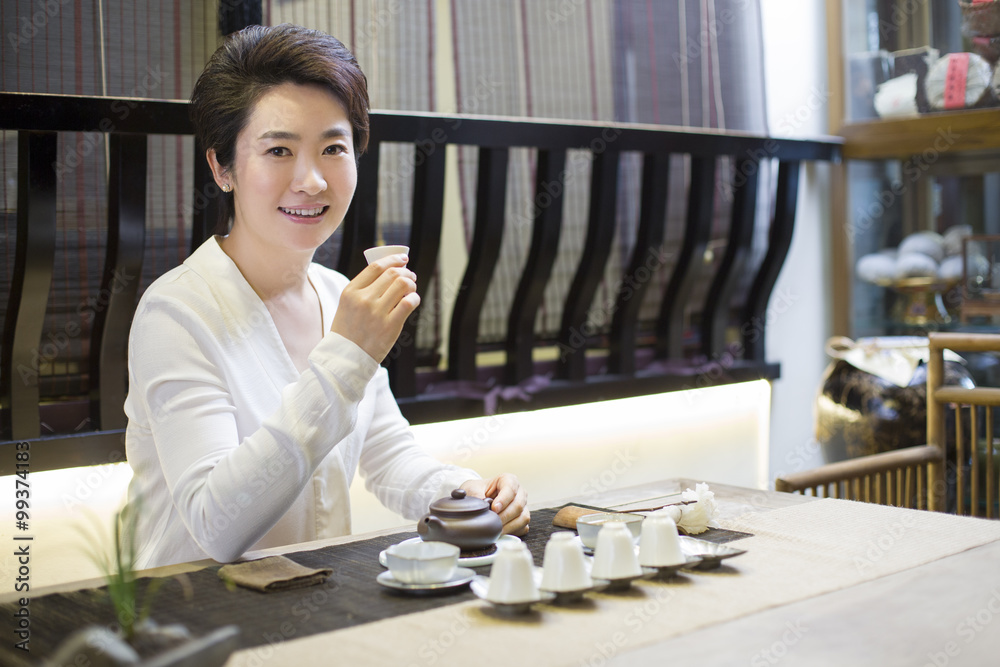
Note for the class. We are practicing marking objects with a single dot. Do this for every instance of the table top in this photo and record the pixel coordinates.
(822, 582)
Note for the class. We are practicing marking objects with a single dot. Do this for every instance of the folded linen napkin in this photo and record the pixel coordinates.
(274, 573)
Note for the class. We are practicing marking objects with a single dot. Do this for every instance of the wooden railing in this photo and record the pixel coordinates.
(613, 364)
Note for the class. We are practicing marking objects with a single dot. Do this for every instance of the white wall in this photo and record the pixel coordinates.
(797, 95)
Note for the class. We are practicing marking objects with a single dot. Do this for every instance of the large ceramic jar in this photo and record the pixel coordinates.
(873, 396)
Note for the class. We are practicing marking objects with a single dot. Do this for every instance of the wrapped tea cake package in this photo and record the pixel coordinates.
(980, 17)
(897, 97)
(959, 81)
(987, 47)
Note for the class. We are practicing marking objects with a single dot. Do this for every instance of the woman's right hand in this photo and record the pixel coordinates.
(374, 306)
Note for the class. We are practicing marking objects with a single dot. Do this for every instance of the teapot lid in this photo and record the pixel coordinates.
(459, 502)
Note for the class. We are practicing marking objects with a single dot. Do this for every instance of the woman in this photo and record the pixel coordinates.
(255, 384)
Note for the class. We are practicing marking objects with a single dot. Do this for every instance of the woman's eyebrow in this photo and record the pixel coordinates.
(292, 136)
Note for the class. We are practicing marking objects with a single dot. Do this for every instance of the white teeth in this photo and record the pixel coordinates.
(304, 212)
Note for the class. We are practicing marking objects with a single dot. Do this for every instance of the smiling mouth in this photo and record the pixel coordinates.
(304, 212)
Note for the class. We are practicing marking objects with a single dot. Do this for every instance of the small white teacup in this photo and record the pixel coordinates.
(378, 252)
(659, 544)
(421, 562)
(564, 566)
(512, 576)
(614, 557)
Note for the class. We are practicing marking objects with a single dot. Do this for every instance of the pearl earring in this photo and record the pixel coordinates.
(227, 188)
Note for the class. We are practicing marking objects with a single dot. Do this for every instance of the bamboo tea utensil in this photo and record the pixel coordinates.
(567, 516)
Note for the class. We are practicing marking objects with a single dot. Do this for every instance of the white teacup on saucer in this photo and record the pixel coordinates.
(614, 558)
(512, 579)
(659, 543)
(564, 567)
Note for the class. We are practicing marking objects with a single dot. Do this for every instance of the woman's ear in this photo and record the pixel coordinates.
(219, 173)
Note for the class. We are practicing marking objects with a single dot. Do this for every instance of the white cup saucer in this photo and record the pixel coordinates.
(461, 577)
(480, 585)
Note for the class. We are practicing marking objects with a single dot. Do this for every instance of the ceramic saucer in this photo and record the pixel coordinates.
(468, 561)
(621, 583)
(462, 576)
(480, 585)
(667, 571)
(575, 595)
(710, 553)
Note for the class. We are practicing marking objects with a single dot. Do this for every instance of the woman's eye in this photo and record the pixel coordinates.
(335, 149)
(279, 151)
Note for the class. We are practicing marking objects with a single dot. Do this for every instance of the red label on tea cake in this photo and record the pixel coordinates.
(955, 80)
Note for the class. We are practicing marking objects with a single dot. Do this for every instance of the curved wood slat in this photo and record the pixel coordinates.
(718, 302)
(573, 332)
(963, 396)
(779, 240)
(545, 232)
(697, 231)
(29, 292)
(425, 244)
(491, 192)
(639, 275)
(361, 220)
(120, 282)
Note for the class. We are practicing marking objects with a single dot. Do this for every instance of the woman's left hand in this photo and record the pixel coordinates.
(510, 500)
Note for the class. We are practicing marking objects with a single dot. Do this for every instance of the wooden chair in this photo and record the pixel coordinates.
(968, 484)
(897, 478)
(961, 478)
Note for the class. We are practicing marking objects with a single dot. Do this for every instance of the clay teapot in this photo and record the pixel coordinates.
(466, 522)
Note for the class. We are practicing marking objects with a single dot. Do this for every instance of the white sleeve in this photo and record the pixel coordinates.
(178, 367)
(404, 477)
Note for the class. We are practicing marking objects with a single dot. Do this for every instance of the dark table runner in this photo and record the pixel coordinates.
(202, 602)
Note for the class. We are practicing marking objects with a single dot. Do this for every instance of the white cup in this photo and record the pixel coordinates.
(659, 544)
(378, 252)
(614, 557)
(512, 576)
(419, 562)
(564, 566)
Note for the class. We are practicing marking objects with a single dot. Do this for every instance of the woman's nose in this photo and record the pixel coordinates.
(309, 178)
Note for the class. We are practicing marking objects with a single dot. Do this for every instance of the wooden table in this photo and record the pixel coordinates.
(942, 612)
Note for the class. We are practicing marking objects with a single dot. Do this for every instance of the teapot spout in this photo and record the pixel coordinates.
(430, 526)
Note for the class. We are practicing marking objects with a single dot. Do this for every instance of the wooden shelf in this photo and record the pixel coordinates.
(951, 132)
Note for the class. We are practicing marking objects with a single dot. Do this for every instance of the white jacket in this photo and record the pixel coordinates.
(232, 448)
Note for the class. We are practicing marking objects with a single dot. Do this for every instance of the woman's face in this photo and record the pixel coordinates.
(295, 171)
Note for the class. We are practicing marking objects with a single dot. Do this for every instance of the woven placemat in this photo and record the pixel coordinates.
(202, 602)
